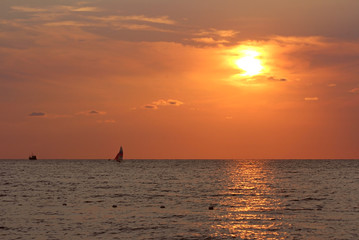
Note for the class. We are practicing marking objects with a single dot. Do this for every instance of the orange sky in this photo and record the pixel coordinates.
(79, 79)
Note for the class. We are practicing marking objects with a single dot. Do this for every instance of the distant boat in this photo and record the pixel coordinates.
(32, 157)
(119, 156)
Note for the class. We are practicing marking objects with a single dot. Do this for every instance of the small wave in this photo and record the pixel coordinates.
(98, 233)
(228, 195)
(308, 199)
(97, 196)
(173, 216)
(313, 199)
(299, 209)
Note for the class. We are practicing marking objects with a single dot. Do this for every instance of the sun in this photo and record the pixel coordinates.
(249, 63)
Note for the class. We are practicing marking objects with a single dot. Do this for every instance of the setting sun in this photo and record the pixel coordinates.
(249, 63)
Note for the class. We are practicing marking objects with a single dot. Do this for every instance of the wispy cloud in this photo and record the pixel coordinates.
(85, 9)
(49, 115)
(84, 113)
(162, 102)
(28, 9)
(72, 16)
(258, 80)
(354, 90)
(311, 99)
(217, 33)
(67, 23)
(209, 40)
(132, 22)
(137, 18)
(55, 8)
(276, 79)
(37, 114)
(169, 102)
(150, 106)
(91, 113)
(142, 18)
(214, 36)
(105, 22)
(136, 27)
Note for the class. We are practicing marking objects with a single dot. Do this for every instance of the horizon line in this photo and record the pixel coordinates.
(107, 159)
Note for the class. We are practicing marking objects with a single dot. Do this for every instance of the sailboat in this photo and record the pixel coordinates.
(32, 157)
(119, 155)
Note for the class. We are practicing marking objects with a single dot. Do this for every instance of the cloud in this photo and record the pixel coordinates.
(50, 115)
(139, 27)
(214, 36)
(90, 19)
(150, 106)
(311, 99)
(209, 40)
(174, 102)
(138, 18)
(277, 79)
(127, 26)
(56, 116)
(37, 114)
(91, 113)
(226, 33)
(257, 80)
(27, 9)
(85, 9)
(169, 102)
(66, 23)
(129, 22)
(162, 102)
(219, 33)
(332, 85)
(142, 18)
(55, 8)
(354, 90)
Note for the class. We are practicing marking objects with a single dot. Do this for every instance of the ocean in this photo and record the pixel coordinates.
(179, 199)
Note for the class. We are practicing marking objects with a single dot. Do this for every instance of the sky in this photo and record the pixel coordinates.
(179, 79)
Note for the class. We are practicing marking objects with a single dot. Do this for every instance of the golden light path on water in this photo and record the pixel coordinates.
(250, 204)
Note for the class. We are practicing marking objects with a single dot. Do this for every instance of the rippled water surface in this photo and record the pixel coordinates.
(179, 199)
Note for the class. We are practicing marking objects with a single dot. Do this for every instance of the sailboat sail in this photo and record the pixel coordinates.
(119, 155)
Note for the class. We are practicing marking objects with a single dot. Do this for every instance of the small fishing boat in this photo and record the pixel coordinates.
(119, 156)
(32, 157)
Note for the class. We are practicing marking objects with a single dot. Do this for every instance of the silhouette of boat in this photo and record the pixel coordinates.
(32, 157)
(119, 156)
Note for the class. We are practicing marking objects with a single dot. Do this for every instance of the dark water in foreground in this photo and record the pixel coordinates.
(251, 199)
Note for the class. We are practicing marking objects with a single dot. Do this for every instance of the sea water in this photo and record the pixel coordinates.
(179, 199)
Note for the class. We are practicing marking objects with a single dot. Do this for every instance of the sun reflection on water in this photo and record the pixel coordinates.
(250, 208)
